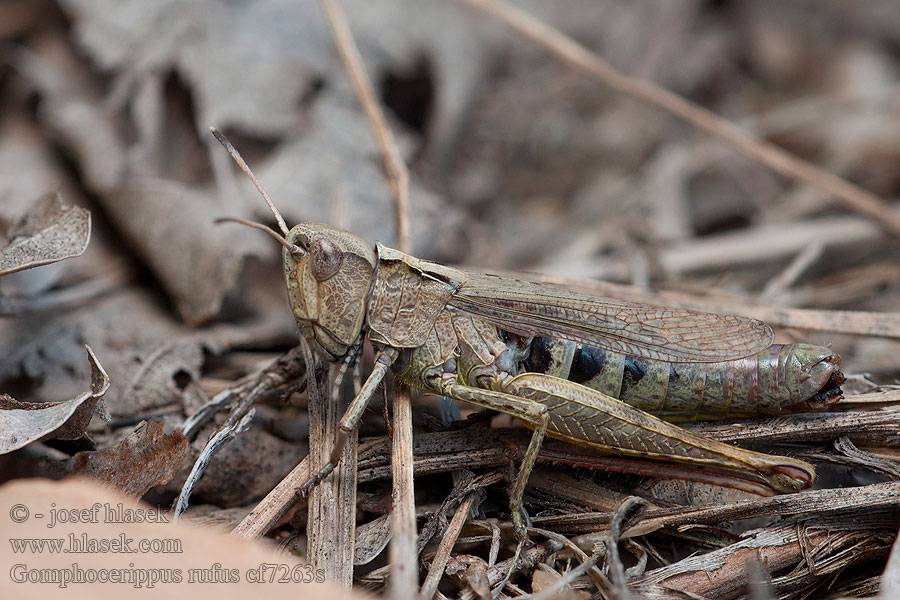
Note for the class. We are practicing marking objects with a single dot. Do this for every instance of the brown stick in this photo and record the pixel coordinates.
(442, 555)
(403, 540)
(797, 556)
(866, 426)
(398, 176)
(818, 502)
(331, 529)
(726, 573)
(404, 571)
(568, 50)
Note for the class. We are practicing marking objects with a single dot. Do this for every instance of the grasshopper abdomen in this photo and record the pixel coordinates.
(781, 378)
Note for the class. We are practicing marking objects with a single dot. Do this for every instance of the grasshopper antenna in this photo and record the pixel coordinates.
(243, 165)
(296, 251)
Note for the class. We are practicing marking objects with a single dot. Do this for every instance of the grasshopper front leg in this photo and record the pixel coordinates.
(350, 421)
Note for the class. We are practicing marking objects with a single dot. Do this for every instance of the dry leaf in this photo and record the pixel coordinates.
(172, 226)
(144, 459)
(22, 423)
(290, 51)
(129, 329)
(155, 383)
(73, 108)
(371, 539)
(50, 232)
(27, 166)
(124, 328)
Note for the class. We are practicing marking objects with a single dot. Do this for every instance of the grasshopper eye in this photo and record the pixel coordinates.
(325, 258)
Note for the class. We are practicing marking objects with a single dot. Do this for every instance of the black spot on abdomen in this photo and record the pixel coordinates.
(586, 364)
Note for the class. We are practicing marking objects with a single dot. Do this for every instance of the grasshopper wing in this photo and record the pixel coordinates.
(529, 308)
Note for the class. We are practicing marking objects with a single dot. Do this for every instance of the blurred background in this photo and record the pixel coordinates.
(517, 162)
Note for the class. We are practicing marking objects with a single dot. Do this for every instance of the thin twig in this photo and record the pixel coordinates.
(793, 553)
(589, 565)
(799, 265)
(449, 413)
(522, 560)
(866, 426)
(215, 443)
(241, 394)
(559, 588)
(811, 502)
(404, 572)
(857, 322)
(630, 511)
(442, 555)
(403, 540)
(398, 175)
(67, 297)
(568, 50)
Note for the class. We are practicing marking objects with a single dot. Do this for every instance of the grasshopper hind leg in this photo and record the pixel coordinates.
(584, 416)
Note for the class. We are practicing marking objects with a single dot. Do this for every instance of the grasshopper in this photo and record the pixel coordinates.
(473, 336)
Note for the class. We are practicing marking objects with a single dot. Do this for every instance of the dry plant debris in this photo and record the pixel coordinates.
(22, 423)
(516, 161)
(51, 232)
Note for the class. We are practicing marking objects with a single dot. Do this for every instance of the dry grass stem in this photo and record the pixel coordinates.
(789, 276)
(241, 396)
(819, 550)
(331, 529)
(398, 175)
(404, 574)
(868, 425)
(442, 554)
(857, 322)
(808, 503)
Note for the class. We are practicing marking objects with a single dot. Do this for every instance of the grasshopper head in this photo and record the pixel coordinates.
(328, 274)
